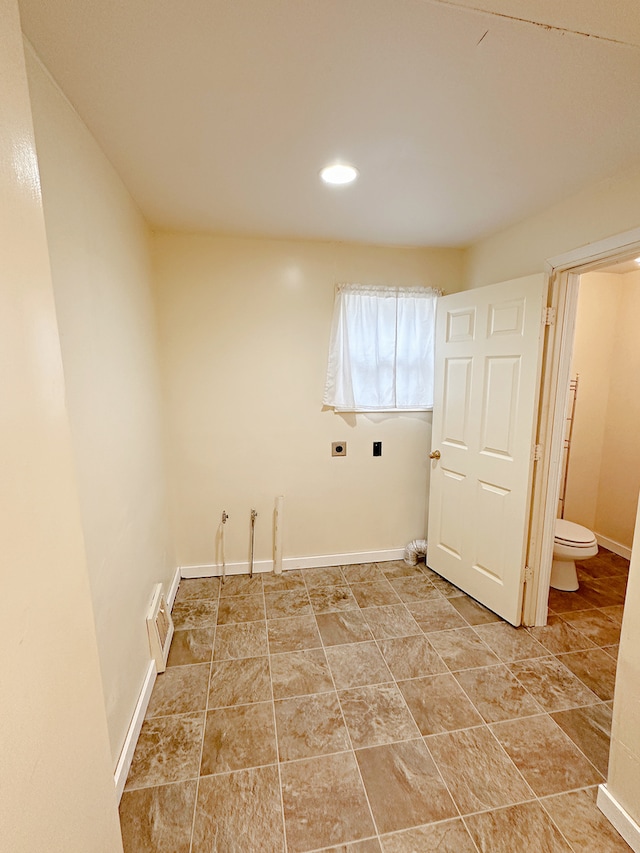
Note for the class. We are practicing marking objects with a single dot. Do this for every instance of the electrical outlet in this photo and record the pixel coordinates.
(339, 448)
(377, 448)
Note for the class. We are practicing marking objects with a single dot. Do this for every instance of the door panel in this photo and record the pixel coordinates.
(488, 351)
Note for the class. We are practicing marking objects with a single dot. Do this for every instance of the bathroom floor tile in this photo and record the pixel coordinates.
(244, 640)
(308, 787)
(287, 603)
(509, 643)
(300, 673)
(159, 818)
(583, 824)
(357, 664)
(392, 620)
(194, 614)
(195, 588)
(595, 625)
(239, 811)
(326, 599)
(363, 573)
(411, 657)
(238, 738)
(399, 569)
(595, 669)
(438, 704)
(376, 594)
(478, 772)
(599, 593)
(292, 634)
(179, 690)
(310, 725)
(590, 729)
(194, 645)
(563, 602)
(241, 585)
(348, 626)
(462, 648)
(558, 636)
(239, 682)
(324, 577)
(551, 684)
(546, 757)
(436, 615)
(450, 836)
(612, 651)
(168, 750)
(614, 613)
(526, 826)
(404, 786)
(443, 586)
(474, 613)
(416, 588)
(287, 581)
(376, 715)
(240, 608)
(497, 693)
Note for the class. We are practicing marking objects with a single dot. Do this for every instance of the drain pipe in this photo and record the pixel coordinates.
(414, 550)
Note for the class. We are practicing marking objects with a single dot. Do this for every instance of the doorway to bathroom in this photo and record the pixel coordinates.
(594, 295)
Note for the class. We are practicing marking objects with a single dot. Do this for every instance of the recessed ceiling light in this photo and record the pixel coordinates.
(339, 173)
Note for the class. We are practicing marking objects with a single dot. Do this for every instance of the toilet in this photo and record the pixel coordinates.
(572, 542)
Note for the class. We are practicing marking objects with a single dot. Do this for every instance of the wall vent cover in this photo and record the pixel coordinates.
(160, 628)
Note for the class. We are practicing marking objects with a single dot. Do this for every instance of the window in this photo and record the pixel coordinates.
(381, 351)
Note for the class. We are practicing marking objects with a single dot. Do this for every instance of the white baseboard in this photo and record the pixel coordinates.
(173, 588)
(621, 820)
(289, 563)
(612, 545)
(130, 741)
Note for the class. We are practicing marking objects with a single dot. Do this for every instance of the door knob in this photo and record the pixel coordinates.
(435, 454)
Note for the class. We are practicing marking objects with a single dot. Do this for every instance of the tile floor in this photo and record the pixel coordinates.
(377, 708)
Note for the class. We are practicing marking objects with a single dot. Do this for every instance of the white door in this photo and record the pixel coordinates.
(488, 356)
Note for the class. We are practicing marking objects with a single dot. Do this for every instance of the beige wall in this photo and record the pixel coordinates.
(99, 250)
(56, 783)
(244, 336)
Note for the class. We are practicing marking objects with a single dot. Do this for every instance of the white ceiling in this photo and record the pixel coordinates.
(218, 114)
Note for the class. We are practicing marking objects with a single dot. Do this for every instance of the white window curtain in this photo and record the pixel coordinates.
(381, 351)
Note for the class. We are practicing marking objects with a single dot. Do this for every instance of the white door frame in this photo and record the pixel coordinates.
(564, 274)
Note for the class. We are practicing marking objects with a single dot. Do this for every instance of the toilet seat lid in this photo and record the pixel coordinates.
(570, 533)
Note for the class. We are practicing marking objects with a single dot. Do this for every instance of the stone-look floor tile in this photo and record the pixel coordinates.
(404, 786)
(399, 569)
(474, 613)
(415, 589)
(522, 827)
(551, 684)
(323, 577)
(309, 787)
(179, 690)
(238, 738)
(563, 602)
(241, 585)
(362, 573)
(590, 729)
(598, 567)
(287, 581)
(411, 657)
(158, 820)
(612, 651)
(497, 693)
(595, 668)
(558, 636)
(614, 613)
(436, 615)
(462, 648)
(357, 664)
(326, 599)
(376, 594)
(194, 588)
(438, 704)
(393, 620)
(546, 757)
(376, 715)
(168, 750)
(599, 592)
(510, 643)
(240, 608)
(239, 682)
(195, 645)
(477, 770)
(239, 811)
(194, 614)
(310, 725)
(244, 640)
(300, 673)
(348, 626)
(369, 845)
(292, 634)
(443, 586)
(595, 625)
(293, 602)
(450, 836)
(583, 824)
